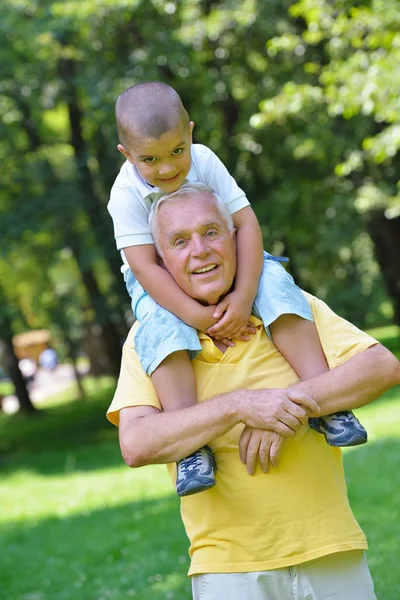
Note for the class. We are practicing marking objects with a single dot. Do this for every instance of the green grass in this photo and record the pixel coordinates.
(75, 522)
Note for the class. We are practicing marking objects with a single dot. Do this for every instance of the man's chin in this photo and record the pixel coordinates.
(210, 298)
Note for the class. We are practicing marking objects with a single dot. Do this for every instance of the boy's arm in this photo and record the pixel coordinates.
(159, 284)
(237, 305)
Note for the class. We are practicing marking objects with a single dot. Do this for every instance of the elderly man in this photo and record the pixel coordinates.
(289, 534)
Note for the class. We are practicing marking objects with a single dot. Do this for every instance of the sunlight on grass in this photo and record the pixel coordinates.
(27, 495)
(94, 529)
(382, 418)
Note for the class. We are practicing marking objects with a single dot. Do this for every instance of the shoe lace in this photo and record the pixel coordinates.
(343, 416)
(191, 462)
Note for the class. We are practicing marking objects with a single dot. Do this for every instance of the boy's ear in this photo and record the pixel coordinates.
(191, 125)
(125, 152)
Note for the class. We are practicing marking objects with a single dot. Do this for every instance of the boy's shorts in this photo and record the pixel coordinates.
(160, 333)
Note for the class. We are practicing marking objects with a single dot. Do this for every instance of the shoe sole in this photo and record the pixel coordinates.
(356, 440)
(189, 491)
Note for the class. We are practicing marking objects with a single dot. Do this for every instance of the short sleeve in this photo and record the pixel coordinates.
(130, 215)
(221, 181)
(134, 387)
(340, 339)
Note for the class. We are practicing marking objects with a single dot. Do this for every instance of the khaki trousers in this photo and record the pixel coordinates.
(340, 576)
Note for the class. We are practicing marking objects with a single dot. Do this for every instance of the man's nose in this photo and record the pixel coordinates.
(199, 246)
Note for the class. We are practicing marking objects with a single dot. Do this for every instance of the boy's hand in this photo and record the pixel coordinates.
(233, 314)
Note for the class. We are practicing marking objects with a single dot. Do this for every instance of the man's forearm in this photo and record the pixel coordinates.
(163, 437)
(363, 378)
(148, 436)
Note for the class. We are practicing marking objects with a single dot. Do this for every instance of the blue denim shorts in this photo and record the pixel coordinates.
(160, 333)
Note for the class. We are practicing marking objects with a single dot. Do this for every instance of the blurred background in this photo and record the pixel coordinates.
(301, 102)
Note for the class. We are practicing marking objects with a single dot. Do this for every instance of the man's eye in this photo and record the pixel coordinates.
(211, 233)
(149, 160)
(179, 242)
(177, 151)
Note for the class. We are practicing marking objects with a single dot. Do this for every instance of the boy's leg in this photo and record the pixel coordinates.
(163, 343)
(298, 341)
(285, 310)
(175, 384)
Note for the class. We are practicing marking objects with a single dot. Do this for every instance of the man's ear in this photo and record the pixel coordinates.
(125, 152)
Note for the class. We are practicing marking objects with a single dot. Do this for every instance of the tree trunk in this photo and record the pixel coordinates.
(109, 331)
(385, 234)
(12, 368)
(102, 227)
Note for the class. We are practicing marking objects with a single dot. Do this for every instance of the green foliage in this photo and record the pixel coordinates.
(299, 100)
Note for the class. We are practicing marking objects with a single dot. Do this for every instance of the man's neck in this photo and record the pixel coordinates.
(220, 345)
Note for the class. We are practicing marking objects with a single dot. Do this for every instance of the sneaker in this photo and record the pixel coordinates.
(196, 472)
(341, 429)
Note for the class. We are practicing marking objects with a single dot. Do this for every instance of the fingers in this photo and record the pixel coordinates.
(232, 332)
(243, 443)
(305, 400)
(275, 451)
(253, 452)
(242, 338)
(265, 446)
(226, 341)
(220, 309)
(283, 430)
(265, 452)
(287, 418)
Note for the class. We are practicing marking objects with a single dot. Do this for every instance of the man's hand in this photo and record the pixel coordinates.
(233, 315)
(263, 445)
(276, 409)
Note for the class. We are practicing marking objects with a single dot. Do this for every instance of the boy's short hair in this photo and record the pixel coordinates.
(187, 189)
(147, 110)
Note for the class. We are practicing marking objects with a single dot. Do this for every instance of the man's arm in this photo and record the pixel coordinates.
(361, 379)
(148, 436)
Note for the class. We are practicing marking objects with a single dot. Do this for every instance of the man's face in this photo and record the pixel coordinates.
(166, 161)
(197, 247)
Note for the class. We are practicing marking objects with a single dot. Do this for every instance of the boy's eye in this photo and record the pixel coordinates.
(177, 151)
(149, 160)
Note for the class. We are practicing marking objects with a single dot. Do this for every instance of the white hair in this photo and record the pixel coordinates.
(190, 190)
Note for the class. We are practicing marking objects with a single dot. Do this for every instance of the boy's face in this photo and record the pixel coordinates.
(163, 162)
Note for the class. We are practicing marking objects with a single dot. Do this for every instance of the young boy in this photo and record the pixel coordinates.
(155, 135)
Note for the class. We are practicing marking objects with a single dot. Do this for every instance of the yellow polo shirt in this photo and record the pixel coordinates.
(297, 512)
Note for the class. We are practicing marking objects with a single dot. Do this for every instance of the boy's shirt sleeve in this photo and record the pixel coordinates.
(130, 214)
(217, 176)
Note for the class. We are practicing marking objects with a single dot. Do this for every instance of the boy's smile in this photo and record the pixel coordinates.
(163, 162)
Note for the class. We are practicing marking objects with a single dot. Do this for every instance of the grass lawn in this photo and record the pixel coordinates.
(76, 523)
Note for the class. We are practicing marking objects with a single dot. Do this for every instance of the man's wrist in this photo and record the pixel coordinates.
(234, 406)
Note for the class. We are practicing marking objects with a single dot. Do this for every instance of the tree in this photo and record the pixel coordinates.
(340, 95)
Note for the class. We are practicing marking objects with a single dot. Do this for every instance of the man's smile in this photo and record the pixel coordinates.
(206, 269)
